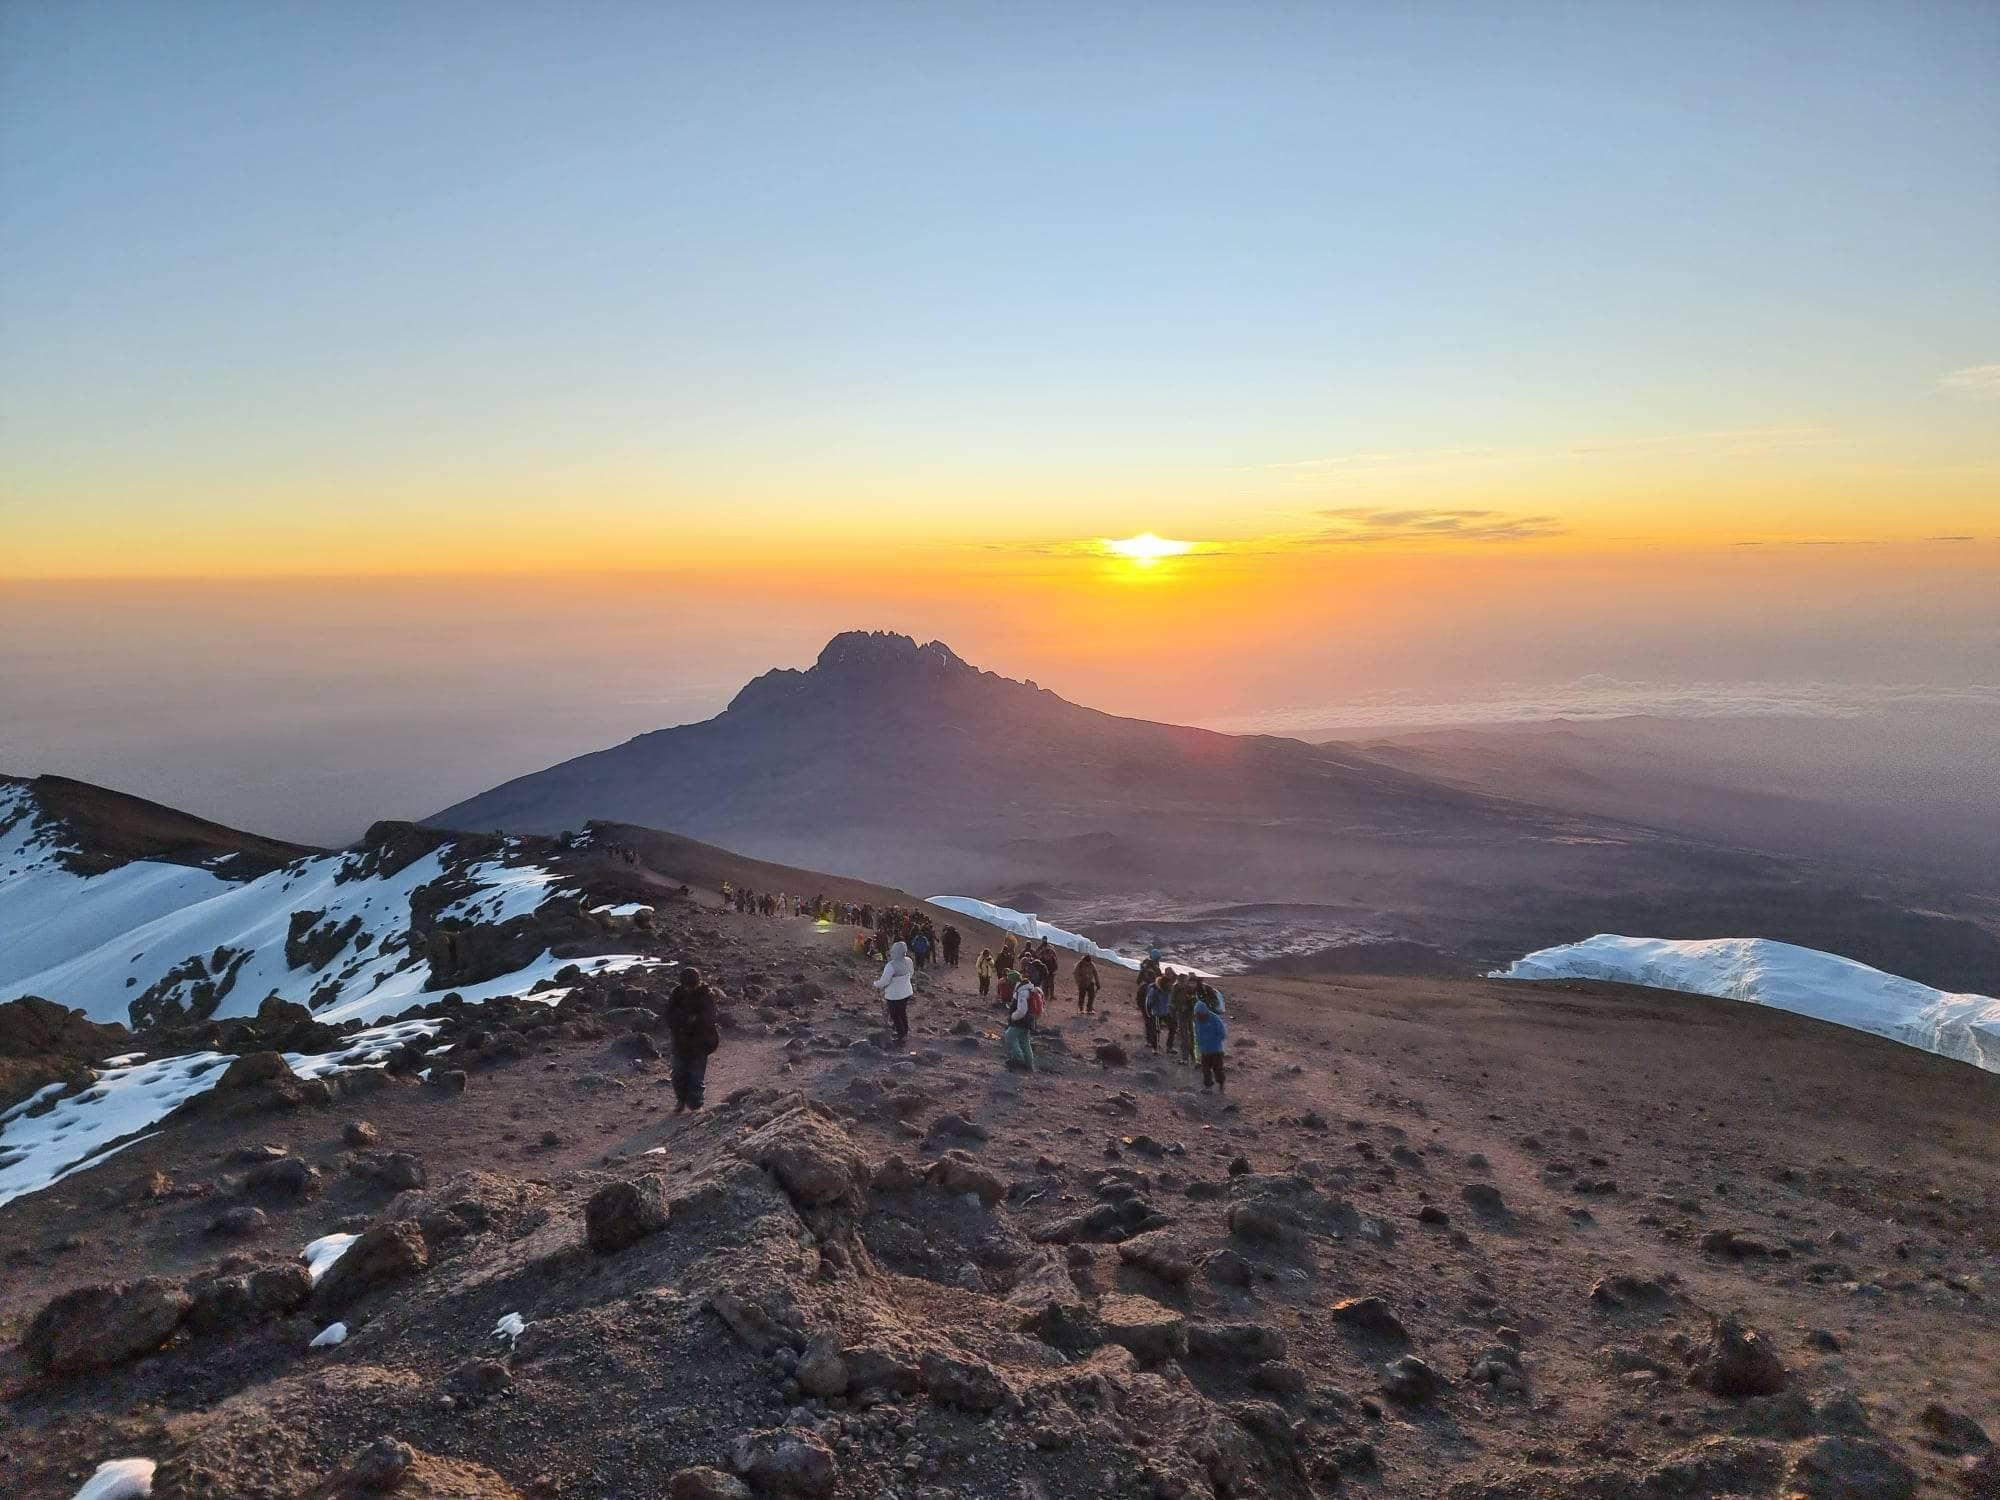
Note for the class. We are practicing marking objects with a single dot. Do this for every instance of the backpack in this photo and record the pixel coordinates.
(1034, 1003)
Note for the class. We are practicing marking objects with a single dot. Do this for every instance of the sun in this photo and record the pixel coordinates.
(1146, 549)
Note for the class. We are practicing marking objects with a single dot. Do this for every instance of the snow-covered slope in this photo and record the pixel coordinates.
(50, 1135)
(48, 914)
(347, 934)
(1802, 980)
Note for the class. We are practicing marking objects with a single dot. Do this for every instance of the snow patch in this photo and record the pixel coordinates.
(321, 1254)
(1027, 925)
(87, 1127)
(327, 1337)
(1804, 981)
(505, 892)
(119, 1479)
(510, 1327)
(629, 909)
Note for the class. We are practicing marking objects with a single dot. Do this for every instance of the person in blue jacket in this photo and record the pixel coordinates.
(1211, 1035)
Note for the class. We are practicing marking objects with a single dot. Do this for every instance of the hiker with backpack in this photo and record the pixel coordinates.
(1019, 1036)
(897, 984)
(1158, 1008)
(1186, 992)
(693, 1033)
(1211, 1035)
(1085, 975)
(920, 946)
(951, 944)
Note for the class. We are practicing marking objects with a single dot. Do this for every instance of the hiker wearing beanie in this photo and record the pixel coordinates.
(1211, 1035)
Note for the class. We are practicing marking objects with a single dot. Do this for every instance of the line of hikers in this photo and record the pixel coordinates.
(1186, 1014)
(778, 904)
(1189, 1015)
(924, 944)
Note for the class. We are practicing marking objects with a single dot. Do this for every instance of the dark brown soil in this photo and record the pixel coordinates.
(1868, 1173)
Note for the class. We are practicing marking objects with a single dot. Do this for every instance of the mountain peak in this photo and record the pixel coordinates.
(876, 650)
(856, 660)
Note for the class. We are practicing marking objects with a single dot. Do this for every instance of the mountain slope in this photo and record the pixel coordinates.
(905, 764)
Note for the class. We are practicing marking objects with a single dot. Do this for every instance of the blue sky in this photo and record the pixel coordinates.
(383, 241)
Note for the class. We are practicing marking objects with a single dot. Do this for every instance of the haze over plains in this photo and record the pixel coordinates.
(395, 401)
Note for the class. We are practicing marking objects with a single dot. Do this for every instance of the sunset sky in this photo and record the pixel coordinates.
(1462, 343)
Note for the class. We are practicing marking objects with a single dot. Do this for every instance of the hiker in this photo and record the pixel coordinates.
(1159, 1009)
(1008, 952)
(985, 970)
(920, 947)
(1033, 971)
(897, 987)
(1020, 1033)
(1010, 980)
(693, 1034)
(1085, 975)
(1185, 996)
(1165, 985)
(1211, 1033)
(1047, 955)
(1214, 998)
(951, 942)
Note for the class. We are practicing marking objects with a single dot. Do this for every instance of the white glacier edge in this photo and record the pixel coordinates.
(1783, 976)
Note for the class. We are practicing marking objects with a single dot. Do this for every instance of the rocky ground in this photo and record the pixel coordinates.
(1443, 1238)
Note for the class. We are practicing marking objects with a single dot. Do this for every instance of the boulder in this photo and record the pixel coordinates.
(1484, 1198)
(1239, 1343)
(1737, 1362)
(381, 1466)
(254, 1068)
(94, 1327)
(1951, 1431)
(286, 1177)
(1850, 1468)
(276, 1290)
(1152, 1332)
(970, 1384)
(400, 1170)
(1371, 1316)
(956, 1172)
(240, 1222)
(813, 1159)
(791, 1461)
(1266, 1219)
(388, 1252)
(359, 1134)
(623, 1213)
(1411, 1381)
(821, 1371)
(702, 1483)
(1162, 1253)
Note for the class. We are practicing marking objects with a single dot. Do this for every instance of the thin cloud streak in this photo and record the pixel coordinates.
(1725, 440)
(1360, 523)
(1974, 380)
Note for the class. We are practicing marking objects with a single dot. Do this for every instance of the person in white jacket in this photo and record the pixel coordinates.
(896, 986)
